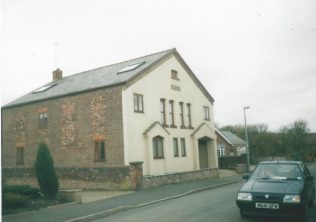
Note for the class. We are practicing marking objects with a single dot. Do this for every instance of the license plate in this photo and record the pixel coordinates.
(267, 205)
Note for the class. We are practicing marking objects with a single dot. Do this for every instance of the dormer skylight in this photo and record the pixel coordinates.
(44, 88)
(130, 67)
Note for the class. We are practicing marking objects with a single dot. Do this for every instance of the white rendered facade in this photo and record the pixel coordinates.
(141, 127)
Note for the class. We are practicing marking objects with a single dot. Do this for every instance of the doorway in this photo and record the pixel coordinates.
(203, 153)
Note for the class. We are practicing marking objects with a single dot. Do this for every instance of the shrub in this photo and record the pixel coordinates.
(25, 190)
(14, 200)
(45, 172)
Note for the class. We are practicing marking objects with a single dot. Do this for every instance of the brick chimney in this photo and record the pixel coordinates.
(57, 74)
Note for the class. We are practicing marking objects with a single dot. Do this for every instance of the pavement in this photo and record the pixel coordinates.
(106, 204)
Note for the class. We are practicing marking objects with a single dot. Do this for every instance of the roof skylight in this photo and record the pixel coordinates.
(130, 67)
(44, 88)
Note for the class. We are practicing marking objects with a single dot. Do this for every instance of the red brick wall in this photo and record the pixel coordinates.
(228, 148)
(73, 123)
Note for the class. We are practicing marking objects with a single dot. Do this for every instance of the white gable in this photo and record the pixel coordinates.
(153, 86)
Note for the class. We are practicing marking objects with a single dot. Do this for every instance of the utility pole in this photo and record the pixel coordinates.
(247, 142)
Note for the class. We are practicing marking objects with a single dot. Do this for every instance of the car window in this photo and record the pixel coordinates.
(277, 171)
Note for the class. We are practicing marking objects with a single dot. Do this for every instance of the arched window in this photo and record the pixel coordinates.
(158, 147)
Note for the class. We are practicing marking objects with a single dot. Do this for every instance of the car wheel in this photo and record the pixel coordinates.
(312, 201)
(242, 214)
(303, 214)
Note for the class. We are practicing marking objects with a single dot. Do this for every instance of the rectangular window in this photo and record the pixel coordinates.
(171, 114)
(174, 75)
(183, 149)
(182, 116)
(189, 116)
(138, 103)
(175, 147)
(220, 150)
(158, 147)
(20, 156)
(206, 113)
(163, 112)
(42, 120)
(99, 148)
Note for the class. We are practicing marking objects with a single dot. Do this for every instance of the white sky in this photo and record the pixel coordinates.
(258, 53)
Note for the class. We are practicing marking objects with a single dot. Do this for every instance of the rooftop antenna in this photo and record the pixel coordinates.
(56, 53)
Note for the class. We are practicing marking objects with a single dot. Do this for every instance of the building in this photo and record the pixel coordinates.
(229, 144)
(151, 109)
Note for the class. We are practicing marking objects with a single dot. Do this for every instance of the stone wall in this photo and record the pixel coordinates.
(106, 178)
(241, 168)
(69, 126)
(74, 123)
(153, 181)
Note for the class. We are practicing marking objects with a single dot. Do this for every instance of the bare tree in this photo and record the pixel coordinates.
(293, 139)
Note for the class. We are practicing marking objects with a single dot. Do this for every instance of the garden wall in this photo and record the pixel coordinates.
(106, 178)
(153, 181)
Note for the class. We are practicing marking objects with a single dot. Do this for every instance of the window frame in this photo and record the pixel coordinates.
(175, 147)
(20, 156)
(42, 120)
(163, 112)
(206, 113)
(174, 75)
(138, 103)
(220, 150)
(189, 116)
(171, 114)
(183, 147)
(158, 154)
(99, 155)
(182, 116)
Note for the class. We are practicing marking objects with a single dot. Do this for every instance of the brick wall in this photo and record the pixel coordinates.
(73, 124)
(136, 174)
(228, 147)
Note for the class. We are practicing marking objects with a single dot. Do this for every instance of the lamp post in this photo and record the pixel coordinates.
(247, 142)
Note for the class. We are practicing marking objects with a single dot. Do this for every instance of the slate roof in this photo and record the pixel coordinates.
(99, 78)
(232, 138)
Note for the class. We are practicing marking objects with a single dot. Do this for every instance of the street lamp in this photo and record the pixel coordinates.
(247, 142)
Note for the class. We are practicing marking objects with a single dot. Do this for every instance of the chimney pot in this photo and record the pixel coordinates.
(57, 74)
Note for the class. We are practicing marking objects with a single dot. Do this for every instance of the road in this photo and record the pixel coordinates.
(217, 205)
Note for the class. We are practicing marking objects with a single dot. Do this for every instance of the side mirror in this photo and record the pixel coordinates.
(246, 176)
(309, 178)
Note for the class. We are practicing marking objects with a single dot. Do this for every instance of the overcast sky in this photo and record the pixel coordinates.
(257, 53)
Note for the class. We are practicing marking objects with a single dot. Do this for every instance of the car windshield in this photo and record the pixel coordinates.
(277, 171)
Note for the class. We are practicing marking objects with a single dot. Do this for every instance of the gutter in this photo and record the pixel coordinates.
(60, 96)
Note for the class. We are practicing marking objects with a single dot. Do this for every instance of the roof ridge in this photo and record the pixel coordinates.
(172, 49)
(108, 72)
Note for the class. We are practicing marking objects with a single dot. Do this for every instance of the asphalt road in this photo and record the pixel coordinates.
(216, 205)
